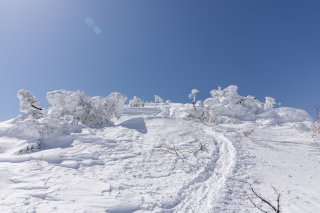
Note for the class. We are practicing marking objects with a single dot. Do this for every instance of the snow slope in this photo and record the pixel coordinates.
(149, 162)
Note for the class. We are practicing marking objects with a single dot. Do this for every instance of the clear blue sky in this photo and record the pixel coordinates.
(163, 47)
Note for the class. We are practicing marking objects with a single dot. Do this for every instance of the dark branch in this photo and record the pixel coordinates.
(278, 199)
(262, 199)
(255, 205)
(38, 108)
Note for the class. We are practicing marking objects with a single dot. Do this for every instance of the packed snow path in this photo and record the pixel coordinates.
(151, 164)
(205, 192)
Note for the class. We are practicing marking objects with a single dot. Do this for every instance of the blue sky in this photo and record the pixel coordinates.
(163, 47)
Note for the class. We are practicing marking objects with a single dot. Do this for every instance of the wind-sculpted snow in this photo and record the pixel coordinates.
(116, 168)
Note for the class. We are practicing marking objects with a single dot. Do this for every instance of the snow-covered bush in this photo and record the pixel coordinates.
(29, 104)
(191, 158)
(69, 109)
(217, 92)
(136, 102)
(228, 102)
(269, 103)
(93, 112)
(158, 99)
(69, 112)
(113, 105)
(74, 103)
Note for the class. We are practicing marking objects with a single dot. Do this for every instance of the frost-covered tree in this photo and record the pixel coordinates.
(217, 92)
(136, 102)
(269, 103)
(28, 103)
(158, 99)
(226, 97)
(227, 102)
(70, 111)
(93, 112)
(193, 95)
(74, 103)
(113, 104)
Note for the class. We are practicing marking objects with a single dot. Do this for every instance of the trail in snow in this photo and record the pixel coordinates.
(205, 192)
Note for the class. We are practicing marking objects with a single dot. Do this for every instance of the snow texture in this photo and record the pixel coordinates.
(170, 157)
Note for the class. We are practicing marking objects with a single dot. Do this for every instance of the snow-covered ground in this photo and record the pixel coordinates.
(151, 162)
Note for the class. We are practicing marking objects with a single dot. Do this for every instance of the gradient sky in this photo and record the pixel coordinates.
(163, 47)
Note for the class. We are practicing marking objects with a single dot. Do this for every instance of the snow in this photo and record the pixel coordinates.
(162, 157)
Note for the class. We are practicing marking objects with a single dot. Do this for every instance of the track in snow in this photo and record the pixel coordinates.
(204, 192)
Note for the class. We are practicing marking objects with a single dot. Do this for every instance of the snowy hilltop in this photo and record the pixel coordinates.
(228, 153)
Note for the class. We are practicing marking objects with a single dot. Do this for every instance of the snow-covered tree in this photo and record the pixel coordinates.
(74, 103)
(93, 112)
(113, 104)
(217, 92)
(28, 103)
(70, 111)
(227, 102)
(193, 95)
(269, 103)
(136, 102)
(158, 99)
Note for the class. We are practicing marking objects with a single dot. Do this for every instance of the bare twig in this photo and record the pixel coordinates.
(186, 155)
(255, 205)
(264, 201)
